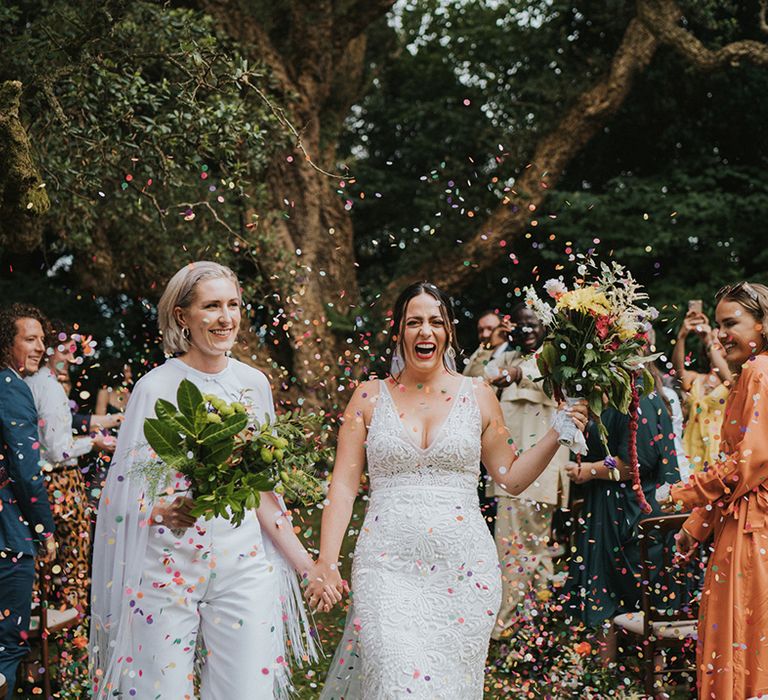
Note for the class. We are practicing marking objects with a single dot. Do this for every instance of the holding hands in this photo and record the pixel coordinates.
(325, 586)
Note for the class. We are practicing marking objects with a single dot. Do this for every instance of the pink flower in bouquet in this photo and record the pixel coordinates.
(603, 326)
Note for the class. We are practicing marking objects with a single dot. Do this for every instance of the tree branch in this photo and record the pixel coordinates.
(357, 18)
(252, 37)
(552, 155)
(662, 16)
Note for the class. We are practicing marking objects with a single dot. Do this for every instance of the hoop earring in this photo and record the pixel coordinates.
(185, 333)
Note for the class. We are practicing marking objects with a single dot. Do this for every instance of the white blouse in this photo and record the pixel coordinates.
(57, 443)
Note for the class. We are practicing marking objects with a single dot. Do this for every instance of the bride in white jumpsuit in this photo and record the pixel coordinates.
(225, 595)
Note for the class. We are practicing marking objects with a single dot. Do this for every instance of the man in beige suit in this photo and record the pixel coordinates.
(523, 523)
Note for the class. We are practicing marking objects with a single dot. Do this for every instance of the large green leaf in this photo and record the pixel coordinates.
(167, 412)
(217, 453)
(189, 398)
(165, 440)
(230, 426)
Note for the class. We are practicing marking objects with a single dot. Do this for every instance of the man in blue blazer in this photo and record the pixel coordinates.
(25, 514)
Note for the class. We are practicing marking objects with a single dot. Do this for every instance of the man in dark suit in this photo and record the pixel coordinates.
(25, 514)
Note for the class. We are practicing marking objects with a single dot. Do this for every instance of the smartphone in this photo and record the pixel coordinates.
(695, 305)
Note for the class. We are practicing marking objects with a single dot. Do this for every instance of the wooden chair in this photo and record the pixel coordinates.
(669, 613)
(43, 623)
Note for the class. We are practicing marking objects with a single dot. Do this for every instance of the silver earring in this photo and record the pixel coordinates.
(185, 332)
(450, 358)
(397, 364)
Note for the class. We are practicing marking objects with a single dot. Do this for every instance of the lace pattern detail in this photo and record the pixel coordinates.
(453, 458)
(426, 577)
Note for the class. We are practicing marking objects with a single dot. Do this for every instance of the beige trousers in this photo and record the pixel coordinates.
(522, 540)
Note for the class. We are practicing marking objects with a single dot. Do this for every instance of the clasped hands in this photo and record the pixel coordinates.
(325, 587)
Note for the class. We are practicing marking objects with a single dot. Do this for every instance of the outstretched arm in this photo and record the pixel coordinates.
(515, 474)
(347, 470)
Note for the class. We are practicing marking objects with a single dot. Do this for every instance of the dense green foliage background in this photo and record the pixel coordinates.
(152, 146)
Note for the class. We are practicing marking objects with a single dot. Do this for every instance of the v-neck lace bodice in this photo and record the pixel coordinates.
(452, 458)
(425, 575)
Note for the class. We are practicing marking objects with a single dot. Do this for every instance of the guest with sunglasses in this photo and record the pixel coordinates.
(729, 499)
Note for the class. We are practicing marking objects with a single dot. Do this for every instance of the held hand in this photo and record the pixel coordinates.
(579, 474)
(686, 543)
(579, 414)
(325, 587)
(670, 506)
(49, 550)
(104, 443)
(173, 514)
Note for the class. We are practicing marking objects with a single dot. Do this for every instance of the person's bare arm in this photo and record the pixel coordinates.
(516, 473)
(345, 482)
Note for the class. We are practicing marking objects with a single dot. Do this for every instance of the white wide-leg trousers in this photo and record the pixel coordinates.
(214, 582)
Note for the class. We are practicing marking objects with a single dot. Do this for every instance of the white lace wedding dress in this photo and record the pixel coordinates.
(426, 584)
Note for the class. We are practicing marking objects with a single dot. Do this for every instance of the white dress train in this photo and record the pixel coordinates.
(426, 584)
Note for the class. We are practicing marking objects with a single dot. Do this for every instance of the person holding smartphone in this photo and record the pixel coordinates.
(704, 393)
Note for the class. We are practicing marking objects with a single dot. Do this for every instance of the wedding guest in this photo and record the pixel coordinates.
(704, 393)
(524, 522)
(59, 453)
(604, 567)
(115, 388)
(487, 322)
(25, 514)
(164, 580)
(729, 499)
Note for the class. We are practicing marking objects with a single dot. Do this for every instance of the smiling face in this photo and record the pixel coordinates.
(485, 327)
(740, 333)
(213, 317)
(424, 335)
(529, 330)
(28, 347)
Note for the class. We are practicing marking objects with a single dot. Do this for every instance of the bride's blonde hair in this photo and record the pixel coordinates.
(180, 292)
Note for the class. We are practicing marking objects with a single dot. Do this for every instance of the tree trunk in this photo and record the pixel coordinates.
(23, 199)
(317, 64)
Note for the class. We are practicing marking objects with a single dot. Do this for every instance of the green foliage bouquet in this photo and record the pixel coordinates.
(228, 459)
(595, 348)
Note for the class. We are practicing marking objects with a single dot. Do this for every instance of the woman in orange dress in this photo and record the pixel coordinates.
(730, 499)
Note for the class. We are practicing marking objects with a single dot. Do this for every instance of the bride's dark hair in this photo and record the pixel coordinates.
(446, 311)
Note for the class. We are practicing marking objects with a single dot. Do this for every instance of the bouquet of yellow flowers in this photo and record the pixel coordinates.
(597, 333)
(227, 458)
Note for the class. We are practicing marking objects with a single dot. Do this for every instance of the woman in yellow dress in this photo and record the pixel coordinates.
(704, 394)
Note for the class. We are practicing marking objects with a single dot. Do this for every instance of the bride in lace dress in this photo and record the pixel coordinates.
(426, 584)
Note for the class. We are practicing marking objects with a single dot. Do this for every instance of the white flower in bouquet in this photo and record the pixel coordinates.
(555, 288)
(543, 310)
